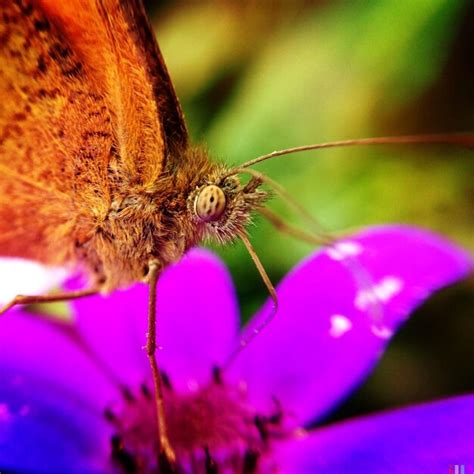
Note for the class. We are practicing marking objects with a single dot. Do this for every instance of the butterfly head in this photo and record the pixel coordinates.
(223, 206)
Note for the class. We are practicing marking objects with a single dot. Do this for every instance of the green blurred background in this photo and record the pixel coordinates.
(256, 76)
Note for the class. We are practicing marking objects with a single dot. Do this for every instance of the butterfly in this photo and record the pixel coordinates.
(97, 170)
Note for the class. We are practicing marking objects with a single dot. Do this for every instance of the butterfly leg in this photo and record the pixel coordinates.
(166, 449)
(31, 299)
(255, 330)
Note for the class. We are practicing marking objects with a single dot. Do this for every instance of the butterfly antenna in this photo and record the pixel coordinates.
(446, 139)
(363, 279)
(324, 238)
(285, 228)
(319, 236)
(255, 330)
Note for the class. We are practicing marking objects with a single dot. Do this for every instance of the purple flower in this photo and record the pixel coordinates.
(77, 399)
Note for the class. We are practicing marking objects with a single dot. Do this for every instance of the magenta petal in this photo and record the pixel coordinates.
(431, 438)
(198, 318)
(112, 326)
(325, 337)
(36, 350)
(46, 429)
(197, 322)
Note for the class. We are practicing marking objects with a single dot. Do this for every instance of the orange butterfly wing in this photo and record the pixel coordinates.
(86, 106)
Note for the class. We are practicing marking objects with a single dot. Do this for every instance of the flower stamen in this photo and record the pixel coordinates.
(212, 429)
(210, 464)
(122, 456)
(250, 461)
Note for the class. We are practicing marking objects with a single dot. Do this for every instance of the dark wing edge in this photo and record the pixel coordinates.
(171, 115)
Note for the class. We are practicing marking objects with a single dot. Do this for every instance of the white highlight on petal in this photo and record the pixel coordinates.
(339, 325)
(381, 331)
(382, 292)
(24, 277)
(389, 287)
(342, 250)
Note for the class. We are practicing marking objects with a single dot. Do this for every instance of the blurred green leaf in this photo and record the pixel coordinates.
(255, 78)
(334, 76)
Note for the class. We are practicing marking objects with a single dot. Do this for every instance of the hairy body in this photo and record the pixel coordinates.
(96, 168)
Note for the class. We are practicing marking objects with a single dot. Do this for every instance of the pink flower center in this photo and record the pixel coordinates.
(212, 430)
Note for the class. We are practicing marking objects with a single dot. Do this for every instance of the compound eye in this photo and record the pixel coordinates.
(210, 203)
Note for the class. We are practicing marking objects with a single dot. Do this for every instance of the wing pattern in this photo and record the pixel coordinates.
(86, 108)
